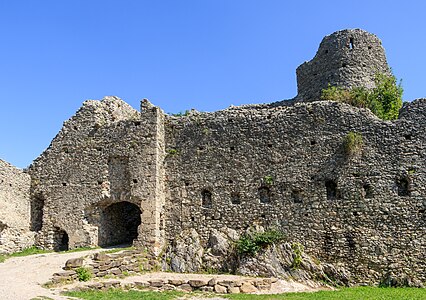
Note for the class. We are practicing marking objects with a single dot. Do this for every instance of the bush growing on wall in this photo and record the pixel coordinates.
(353, 143)
(384, 100)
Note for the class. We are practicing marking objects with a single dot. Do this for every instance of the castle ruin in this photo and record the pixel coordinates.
(116, 175)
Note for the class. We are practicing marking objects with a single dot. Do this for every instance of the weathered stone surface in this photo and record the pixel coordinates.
(65, 273)
(220, 289)
(234, 290)
(168, 287)
(248, 288)
(73, 263)
(196, 283)
(184, 287)
(156, 283)
(208, 289)
(101, 256)
(177, 281)
(15, 217)
(186, 254)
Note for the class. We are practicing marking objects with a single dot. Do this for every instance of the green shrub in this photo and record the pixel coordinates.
(297, 254)
(352, 143)
(384, 100)
(83, 274)
(250, 244)
(268, 179)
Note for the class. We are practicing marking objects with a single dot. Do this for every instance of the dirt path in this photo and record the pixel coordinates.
(21, 277)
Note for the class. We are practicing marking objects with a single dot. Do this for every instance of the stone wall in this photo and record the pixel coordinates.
(281, 166)
(285, 167)
(346, 58)
(15, 233)
(101, 167)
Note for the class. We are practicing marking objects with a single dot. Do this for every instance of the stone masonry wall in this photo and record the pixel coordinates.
(98, 169)
(15, 233)
(347, 58)
(285, 167)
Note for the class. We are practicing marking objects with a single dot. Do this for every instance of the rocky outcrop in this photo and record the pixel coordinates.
(276, 260)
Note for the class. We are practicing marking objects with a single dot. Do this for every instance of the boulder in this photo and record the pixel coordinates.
(73, 263)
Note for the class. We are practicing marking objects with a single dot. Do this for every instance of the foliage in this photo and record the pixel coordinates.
(268, 179)
(250, 244)
(83, 274)
(384, 100)
(352, 143)
(370, 293)
(297, 257)
(181, 114)
(172, 151)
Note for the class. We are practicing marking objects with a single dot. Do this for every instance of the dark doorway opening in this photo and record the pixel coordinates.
(61, 240)
(119, 224)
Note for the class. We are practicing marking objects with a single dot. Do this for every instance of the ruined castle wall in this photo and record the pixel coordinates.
(98, 171)
(15, 232)
(285, 167)
(346, 58)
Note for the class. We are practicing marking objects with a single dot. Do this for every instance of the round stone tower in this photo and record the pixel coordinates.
(346, 58)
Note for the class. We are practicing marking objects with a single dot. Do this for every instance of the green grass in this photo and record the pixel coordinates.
(359, 293)
(34, 250)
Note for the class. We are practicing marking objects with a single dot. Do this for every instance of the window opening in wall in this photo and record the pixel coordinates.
(61, 240)
(36, 217)
(331, 188)
(296, 195)
(368, 191)
(235, 198)
(403, 187)
(350, 241)
(264, 194)
(206, 199)
(351, 43)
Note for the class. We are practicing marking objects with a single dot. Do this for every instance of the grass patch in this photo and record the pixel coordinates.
(370, 293)
(250, 244)
(34, 250)
(125, 295)
(367, 293)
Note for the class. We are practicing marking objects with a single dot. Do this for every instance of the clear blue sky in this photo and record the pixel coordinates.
(180, 54)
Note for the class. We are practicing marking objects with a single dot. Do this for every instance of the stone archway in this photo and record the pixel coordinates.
(119, 224)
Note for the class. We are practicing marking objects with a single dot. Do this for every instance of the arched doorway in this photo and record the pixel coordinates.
(119, 224)
(60, 240)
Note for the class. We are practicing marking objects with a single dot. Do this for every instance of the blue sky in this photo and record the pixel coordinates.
(202, 54)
